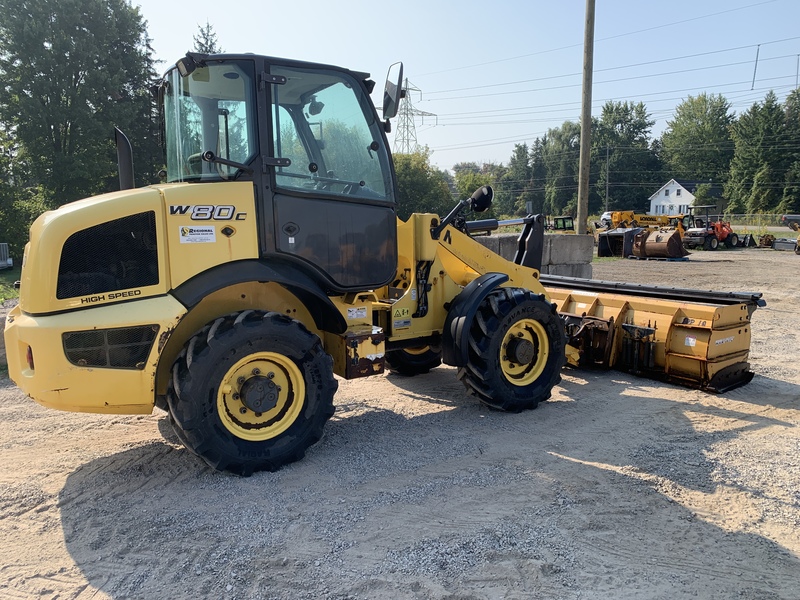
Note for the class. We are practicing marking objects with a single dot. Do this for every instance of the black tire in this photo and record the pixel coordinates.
(413, 361)
(251, 391)
(514, 382)
(732, 240)
(711, 243)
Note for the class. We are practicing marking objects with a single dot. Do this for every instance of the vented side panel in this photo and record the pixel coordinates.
(119, 348)
(117, 255)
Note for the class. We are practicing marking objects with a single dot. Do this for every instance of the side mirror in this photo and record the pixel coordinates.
(393, 91)
(481, 199)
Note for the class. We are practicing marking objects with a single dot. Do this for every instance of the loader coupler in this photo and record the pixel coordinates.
(689, 337)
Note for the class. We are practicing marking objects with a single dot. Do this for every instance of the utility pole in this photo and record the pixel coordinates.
(586, 121)
(606, 178)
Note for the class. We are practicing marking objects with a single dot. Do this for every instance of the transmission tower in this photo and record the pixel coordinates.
(405, 141)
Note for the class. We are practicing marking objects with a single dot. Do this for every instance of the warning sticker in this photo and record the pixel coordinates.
(191, 234)
(357, 313)
(691, 341)
(399, 313)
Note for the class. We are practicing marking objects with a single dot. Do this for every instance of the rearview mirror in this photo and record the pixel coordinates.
(393, 90)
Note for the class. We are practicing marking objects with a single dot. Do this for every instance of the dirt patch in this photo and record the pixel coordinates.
(617, 487)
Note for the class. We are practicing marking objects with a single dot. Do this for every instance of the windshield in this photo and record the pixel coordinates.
(211, 109)
(323, 123)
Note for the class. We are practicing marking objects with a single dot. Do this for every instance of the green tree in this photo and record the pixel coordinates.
(560, 154)
(71, 71)
(623, 157)
(514, 187)
(538, 179)
(790, 202)
(760, 160)
(206, 40)
(420, 186)
(697, 143)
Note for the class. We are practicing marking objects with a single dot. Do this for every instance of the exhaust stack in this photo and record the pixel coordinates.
(124, 160)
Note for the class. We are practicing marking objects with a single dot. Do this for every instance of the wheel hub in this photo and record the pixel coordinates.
(520, 351)
(259, 394)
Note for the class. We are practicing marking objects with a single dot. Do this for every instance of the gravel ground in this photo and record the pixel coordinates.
(618, 487)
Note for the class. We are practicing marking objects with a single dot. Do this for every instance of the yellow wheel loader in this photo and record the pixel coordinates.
(271, 260)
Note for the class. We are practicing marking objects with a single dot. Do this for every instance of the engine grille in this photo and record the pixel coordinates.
(118, 348)
(117, 255)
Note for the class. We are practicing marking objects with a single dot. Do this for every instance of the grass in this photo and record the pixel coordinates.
(7, 279)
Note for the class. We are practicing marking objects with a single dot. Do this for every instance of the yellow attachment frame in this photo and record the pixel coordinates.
(702, 345)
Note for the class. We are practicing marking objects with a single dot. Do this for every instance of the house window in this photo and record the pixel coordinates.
(666, 192)
(677, 192)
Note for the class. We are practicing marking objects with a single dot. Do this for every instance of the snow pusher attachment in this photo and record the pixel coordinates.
(693, 338)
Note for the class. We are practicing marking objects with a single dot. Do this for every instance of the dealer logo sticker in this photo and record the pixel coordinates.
(198, 235)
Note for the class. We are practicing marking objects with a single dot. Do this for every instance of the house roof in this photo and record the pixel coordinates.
(690, 186)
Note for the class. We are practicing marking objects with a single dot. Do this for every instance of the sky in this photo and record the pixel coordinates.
(495, 74)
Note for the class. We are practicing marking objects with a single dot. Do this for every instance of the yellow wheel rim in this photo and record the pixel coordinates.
(524, 352)
(417, 351)
(261, 396)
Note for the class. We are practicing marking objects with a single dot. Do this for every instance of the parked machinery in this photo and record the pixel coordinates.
(708, 231)
(642, 236)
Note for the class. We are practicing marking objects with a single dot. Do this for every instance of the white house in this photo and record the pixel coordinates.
(677, 195)
(672, 198)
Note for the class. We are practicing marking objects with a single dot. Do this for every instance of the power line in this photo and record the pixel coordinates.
(605, 39)
(620, 67)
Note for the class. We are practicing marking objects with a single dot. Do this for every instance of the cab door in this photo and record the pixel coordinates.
(332, 193)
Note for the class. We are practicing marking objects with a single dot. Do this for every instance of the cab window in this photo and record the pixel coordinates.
(323, 123)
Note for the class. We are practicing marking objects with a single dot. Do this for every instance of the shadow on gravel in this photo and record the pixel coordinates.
(580, 487)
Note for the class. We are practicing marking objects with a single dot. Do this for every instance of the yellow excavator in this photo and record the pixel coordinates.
(272, 260)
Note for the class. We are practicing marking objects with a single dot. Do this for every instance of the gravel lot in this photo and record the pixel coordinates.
(618, 487)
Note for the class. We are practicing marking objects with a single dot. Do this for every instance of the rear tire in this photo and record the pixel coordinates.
(251, 391)
(516, 350)
(711, 243)
(413, 361)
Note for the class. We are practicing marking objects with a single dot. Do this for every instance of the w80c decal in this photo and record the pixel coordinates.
(208, 212)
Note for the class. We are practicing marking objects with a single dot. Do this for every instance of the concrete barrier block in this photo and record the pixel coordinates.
(570, 249)
(582, 270)
(508, 245)
(548, 240)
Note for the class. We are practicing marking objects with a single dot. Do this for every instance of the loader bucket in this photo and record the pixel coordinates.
(659, 244)
(616, 242)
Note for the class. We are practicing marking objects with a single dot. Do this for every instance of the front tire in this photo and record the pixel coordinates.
(732, 240)
(413, 361)
(251, 391)
(516, 350)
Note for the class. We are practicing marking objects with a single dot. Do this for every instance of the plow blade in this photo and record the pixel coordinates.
(694, 338)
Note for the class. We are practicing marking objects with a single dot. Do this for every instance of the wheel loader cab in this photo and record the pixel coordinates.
(310, 140)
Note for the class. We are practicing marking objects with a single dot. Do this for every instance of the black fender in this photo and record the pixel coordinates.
(308, 291)
(455, 337)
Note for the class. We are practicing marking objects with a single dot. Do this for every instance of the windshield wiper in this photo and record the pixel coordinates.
(210, 157)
